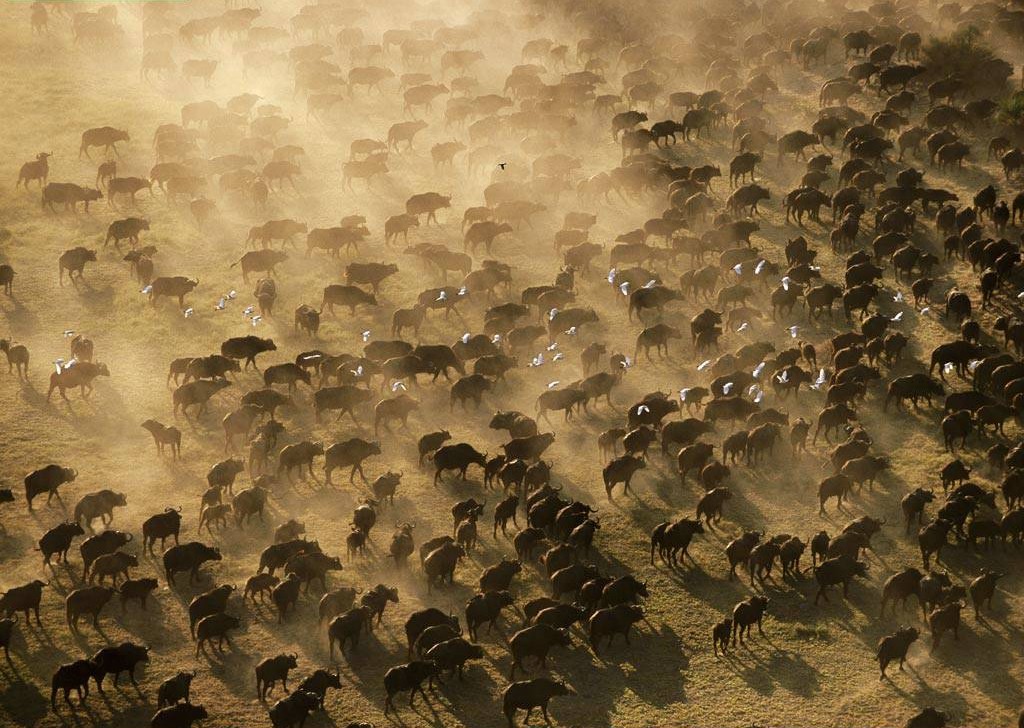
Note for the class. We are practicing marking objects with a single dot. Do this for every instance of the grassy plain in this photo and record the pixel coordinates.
(814, 667)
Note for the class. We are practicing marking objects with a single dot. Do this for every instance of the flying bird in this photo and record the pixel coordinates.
(793, 330)
(256, 320)
(760, 266)
(743, 327)
(703, 365)
(366, 335)
(466, 337)
(552, 385)
(611, 275)
(816, 384)
(624, 287)
(726, 388)
(758, 369)
(188, 312)
(898, 317)
(571, 331)
(397, 385)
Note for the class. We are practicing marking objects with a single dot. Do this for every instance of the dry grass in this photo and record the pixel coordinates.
(814, 667)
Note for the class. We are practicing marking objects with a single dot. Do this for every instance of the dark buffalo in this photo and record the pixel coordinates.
(188, 557)
(47, 480)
